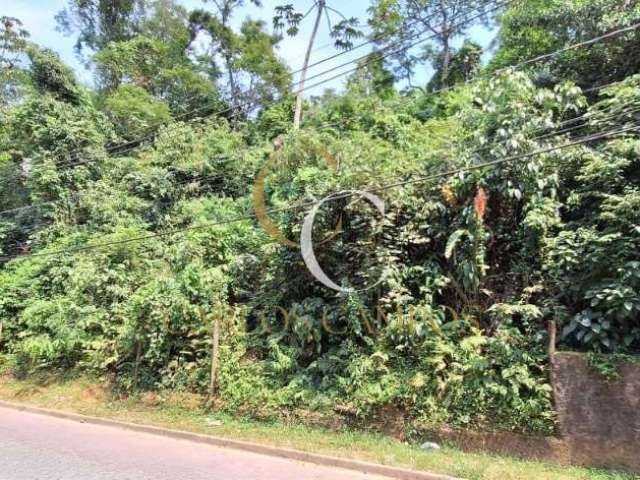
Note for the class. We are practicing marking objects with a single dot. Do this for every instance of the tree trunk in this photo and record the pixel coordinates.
(300, 96)
(235, 113)
(225, 13)
(445, 67)
(446, 60)
(446, 48)
(552, 338)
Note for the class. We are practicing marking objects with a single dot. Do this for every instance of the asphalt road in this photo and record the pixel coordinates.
(36, 447)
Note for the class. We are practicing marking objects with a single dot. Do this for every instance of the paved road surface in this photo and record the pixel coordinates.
(36, 447)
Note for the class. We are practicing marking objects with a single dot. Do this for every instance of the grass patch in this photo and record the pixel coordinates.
(183, 412)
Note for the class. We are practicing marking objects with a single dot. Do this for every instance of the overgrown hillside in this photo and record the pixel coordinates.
(128, 223)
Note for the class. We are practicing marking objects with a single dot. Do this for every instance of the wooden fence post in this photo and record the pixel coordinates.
(137, 363)
(215, 344)
(552, 338)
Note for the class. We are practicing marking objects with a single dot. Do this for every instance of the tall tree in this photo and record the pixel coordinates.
(224, 41)
(99, 22)
(159, 61)
(244, 58)
(168, 22)
(288, 19)
(464, 63)
(537, 27)
(397, 24)
(13, 46)
(372, 77)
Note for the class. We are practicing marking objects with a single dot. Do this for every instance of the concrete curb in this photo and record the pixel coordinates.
(355, 465)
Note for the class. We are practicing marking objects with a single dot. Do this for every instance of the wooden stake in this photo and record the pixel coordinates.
(136, 366)
(215, 343)
(552, 351)
(552, 338)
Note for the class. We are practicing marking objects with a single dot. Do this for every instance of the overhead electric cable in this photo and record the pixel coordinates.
(134, 143)
(421, 179)
(527, 62)
(555, 133)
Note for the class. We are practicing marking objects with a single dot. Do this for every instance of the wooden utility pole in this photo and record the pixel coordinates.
(300, 96)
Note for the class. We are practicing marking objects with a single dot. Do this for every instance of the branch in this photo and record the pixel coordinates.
(310, 10)
(326, 12)
(335, 11)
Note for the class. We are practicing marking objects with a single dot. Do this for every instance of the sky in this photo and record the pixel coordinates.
(38, 18)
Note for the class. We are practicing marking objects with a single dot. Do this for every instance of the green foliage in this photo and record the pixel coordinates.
(13, 45)
(137, 61)
(50, 75)
(593, 263)
(605, 366)
(168, 22)
(538, 27)
(133, 110)
(474, 264)
(150, 64)
(259, 61)
(397, 23)
(187, 92)
(372, 78)
(248, 57)
(344, 32)
(463, 65)
(99, 22)
(14, 40)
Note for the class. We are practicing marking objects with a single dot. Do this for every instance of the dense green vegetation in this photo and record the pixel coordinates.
(476, 263)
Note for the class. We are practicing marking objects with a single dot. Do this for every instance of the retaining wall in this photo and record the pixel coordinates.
(599, 419)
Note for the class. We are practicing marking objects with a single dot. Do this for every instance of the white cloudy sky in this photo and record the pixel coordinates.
(38, 19)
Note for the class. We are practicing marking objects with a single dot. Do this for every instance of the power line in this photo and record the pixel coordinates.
(536, 59)
(411, 37)
(368, 59)
(585, 117)
(123, 147)
(342, 123)
(446, 89)
(421, 179)
(591, 138)
(406, 100)
(586, 43)
(75, 196)
(373, 40)
(135, 143)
